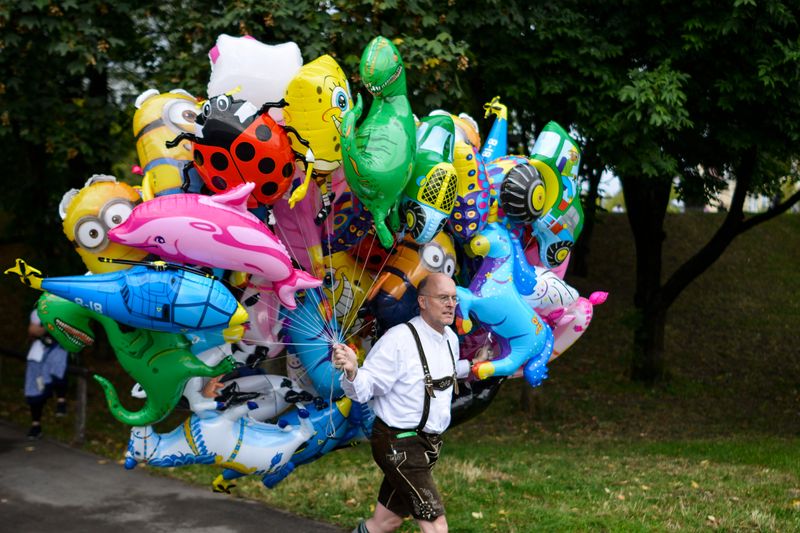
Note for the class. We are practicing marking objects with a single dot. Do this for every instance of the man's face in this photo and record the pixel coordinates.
(437, 302)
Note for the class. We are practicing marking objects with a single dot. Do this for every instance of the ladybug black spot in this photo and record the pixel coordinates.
(219, 183)
(263, 133)
(269, 188)
(266, 165)
(245, 152)
(219, 161)
(198, 158)
(288, 170)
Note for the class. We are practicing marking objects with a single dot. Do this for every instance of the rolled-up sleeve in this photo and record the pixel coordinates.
(462, 368)
(378, 374)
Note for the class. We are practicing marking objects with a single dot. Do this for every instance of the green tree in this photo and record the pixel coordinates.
(176, 37)
(58, 121)
(698, 91)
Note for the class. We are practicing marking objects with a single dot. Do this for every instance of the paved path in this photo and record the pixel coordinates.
(46, 486)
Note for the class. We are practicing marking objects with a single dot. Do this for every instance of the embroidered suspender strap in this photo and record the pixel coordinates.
(426, 405)
(453, 358)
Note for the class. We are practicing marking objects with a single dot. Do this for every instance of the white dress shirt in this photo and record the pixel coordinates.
(392, 374)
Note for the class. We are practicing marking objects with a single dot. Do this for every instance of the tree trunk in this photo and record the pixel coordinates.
(646, 200)
(647, 365)
(647, 203)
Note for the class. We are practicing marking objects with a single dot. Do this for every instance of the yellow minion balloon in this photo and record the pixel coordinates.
(159, 118)
(317, 96)
(88, 214)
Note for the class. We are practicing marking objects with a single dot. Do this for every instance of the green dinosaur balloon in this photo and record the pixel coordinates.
(378, 155)
(65, 322)
(160, 362)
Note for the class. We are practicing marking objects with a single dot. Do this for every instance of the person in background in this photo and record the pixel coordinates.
(410, 372)
(45, 374)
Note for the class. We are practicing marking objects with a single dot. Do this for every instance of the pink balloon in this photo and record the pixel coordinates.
(574, 322)
(214, 231)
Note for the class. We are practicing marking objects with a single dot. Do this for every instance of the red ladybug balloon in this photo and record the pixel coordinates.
(237, 143)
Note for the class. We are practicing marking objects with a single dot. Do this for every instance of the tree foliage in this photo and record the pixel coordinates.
(698, 91)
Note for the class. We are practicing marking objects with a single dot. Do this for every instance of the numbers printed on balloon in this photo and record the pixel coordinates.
(97, 307)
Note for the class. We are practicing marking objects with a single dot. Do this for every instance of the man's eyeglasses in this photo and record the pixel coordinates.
(443, 298)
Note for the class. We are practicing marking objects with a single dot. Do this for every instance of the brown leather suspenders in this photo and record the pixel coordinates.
(429, 381)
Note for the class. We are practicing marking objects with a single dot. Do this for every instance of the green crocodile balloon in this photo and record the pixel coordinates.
(160, 362)
(379, 155)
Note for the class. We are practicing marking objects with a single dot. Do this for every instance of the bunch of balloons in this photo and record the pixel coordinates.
(273, 221)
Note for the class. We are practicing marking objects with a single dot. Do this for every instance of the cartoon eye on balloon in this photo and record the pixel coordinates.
(435, 259)
(340, 98)
(330, 281)
(180, 115)
(90, 234)
(223, 103)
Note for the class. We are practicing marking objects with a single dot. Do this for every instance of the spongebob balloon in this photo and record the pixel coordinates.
(316, 97)
(345, 285)
(89, 213)
(159, 118)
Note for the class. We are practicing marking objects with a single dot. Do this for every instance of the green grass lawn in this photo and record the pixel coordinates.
(715, 447)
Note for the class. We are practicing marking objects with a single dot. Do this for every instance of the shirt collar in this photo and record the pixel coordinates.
(439, 337)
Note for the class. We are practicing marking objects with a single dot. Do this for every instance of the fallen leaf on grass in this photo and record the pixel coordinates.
(796, 504)
(695, 485)
(477, 515)
(502, 512)
(351, 502)
(102, 461)
(645, 487)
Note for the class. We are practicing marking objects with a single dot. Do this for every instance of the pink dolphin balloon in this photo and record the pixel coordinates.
(214, 231)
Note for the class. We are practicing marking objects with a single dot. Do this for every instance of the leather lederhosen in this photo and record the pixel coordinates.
(407, 456)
